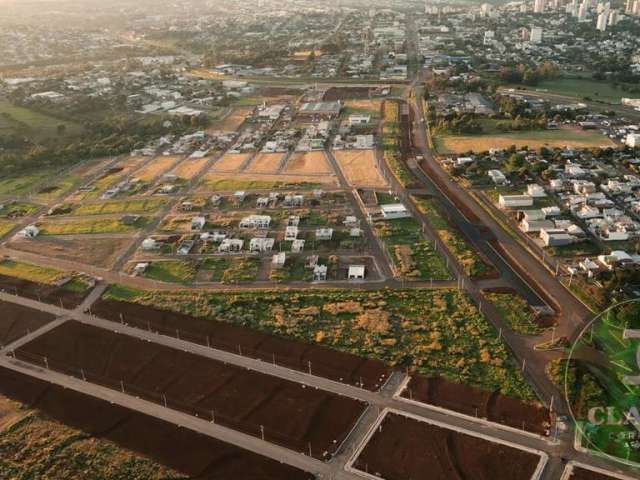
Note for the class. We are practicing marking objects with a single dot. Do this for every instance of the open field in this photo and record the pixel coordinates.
(172, 271)
(265, 163)
(180, 449)
(363, 107)
(360, 168)
(233, 121)
(21, 184)
(67, 296)
(519, 315)
(230, 162)
(34, 446)
(584, 87)
(534, 139)
(55, 187)
(6, 227)
(436, 332)
(231, 182)
(33, 273)
(86, 226)
(582, 474)
(113, 207)
(17, 209)
(327, 363)
(17, 321)
(405, 447)
(475, 402)
(187, 169)
(124, 167)
(14, 118)
(291, 414)
(155, 168)
(101, 252)
(308, 163)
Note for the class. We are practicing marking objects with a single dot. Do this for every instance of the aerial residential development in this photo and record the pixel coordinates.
(294, 239)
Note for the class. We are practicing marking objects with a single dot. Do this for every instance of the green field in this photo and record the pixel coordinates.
(131, 206)
(33, 273)
(434, 332)
(87, 226)
(227, 184)
(23, 183)
(517, 312)
(15, 119)
(584, 87)
(172, 271)
(17, 209)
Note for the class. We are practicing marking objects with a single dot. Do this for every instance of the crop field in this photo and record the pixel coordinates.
(233, 121)
(265, 163)
(475, 402)
(187, 169)
(192, 454)
(231, 162)
(436, 333)
(231, 182)
(328, 363)
(292, 415)
(404, 447)
(534, 139)
(155, 168)
(17, 321)
(360, 168)
(308, 163)
(85, 226)
(149, 205)
(101, 252)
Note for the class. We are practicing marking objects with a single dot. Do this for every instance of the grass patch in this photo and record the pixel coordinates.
(216, 267)
(88, 226)
(33, 273)
(231, 184)
(6, 227)
(23, 183)
(435, 332)
(517, 312)
(584, 87)
(390, 140)
(172, 271)
(18, 210)
(131, 206)
(18, 119)
(241, 270)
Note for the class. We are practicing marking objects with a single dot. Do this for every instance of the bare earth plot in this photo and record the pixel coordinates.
(187, 169)
(265, 163)
(288, 413)
(404, 447)
(232, 122)
(360, 168)
(231, 162)
(17, 321)
(180, 449)
(308, 163)
(157, 167)
(572, 138)
(100, 252)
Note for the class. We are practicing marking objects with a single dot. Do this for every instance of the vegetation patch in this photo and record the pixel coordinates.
(87, 226)
(517, 312)
(132, 206)
(241, 270)
(390, 140)
(172, 271)
(33, 273)
(437, 333)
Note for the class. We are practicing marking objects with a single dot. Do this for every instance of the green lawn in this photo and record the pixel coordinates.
(584, 87)
(33, 273)
(23, 120)
(172, 271)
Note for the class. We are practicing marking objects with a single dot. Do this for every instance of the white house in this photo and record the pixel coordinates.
(553, 237)
(29, 232)
(633, 140)
(297, 246)
(279, 259)
(463, 161)
(530, 226)
(394, 211)
(355, 120)
(515, 201)
(497, 177)
(364, 142)
(324, 233)
(536, 191)
(256, 221)
(231, 245)
(261, 245)
(197, 223)
(291, 234)
(319, 273)
(150, 244)
(356, 272)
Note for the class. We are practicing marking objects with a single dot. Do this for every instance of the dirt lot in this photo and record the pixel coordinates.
(297, 355)
(233, 121)
(308, 163)
(188, 169)
(372, 106)
(291, 414)
(185, 451)
(100, 252)
(39, 291)
(266, 163)
(230, 162)
(17, 321)
(474, 401)
(360, 168)
(582, 474)
(157, 167)
(405, 448)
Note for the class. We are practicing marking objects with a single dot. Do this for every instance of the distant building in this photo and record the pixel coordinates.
(515, 201)
(394, 211)
(321, 109)
(356, 272)
(536, 35)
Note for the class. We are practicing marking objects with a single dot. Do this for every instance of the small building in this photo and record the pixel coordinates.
(262, 202)
(293, 200)
(324, 233)
(319, 273)
(311, 261)
(356, 272)
(279, 260)
(364, 142)
(293, 221)
(186, 206)
(198, 223)
(351, 221)
(355, 232)
(356, 120)
(321, 109)
(394, 211)
(497, 177)
(532, 226)
(231, 245)
(460, 161)
(515, 201)
(140, 268)
(536, 191)
(552, 237)
(29, 232)
(239, 196)
(185, 247)
(291, 234)
(297, 246)
(150, 244)
(256, 221)
(261, 245)
(215, 200)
